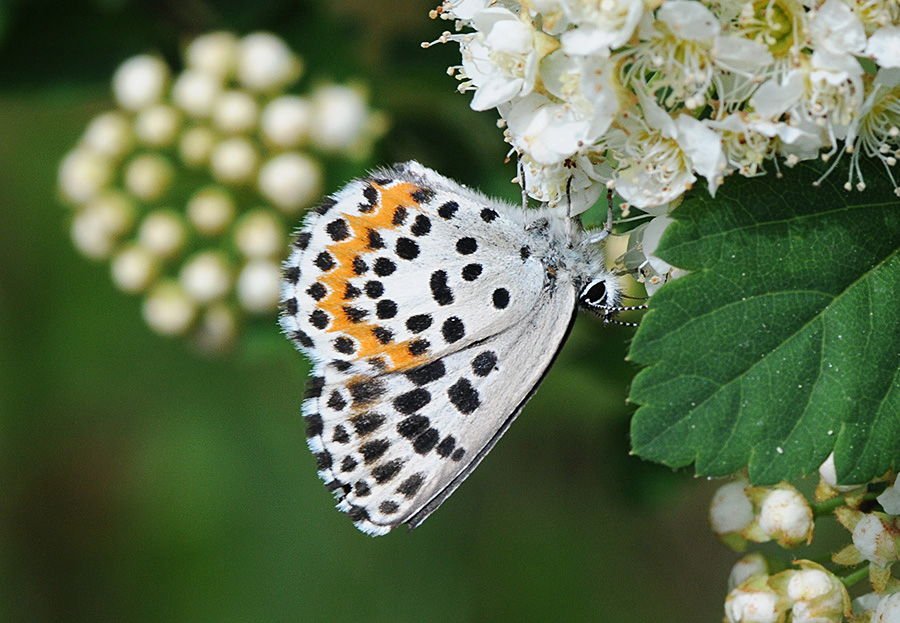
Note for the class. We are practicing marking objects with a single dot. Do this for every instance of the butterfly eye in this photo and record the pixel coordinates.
(594, 294)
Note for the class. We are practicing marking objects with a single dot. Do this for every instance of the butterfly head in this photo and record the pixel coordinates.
(602, 295)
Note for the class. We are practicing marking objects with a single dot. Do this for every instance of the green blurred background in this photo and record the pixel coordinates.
(139, 481)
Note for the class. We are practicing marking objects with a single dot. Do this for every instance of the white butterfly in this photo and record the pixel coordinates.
(431, 314)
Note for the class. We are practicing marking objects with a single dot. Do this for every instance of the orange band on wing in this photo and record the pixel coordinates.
(344, 253)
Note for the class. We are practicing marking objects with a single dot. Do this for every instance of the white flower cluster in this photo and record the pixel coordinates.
(740, 513)
(647, 95)
(187, 188)
(811, 594)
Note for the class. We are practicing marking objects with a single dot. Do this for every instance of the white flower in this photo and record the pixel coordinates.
(265, 63)
(168, 310)
(140, 81)
(835, 91)
(890, 499)
(501, 59)
(786, 516)
(662, 154)
(888, 610)
(599, 26)
(286, 121)
(884, 47)
(234, 160)
(206, 276)
(463, 9)
(291, 181)
(834, 28)
(259, 286)
(548, 132)
(874, 538)
(566, 185)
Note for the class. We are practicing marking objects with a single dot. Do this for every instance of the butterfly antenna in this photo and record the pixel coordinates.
(636, 298)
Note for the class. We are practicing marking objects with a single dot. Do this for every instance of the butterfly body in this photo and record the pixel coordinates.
(431, 314)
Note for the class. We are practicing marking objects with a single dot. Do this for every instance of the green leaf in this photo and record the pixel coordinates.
(784, 341)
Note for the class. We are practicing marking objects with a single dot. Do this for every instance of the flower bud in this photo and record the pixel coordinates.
(211, 210)
(163, 233)
(259, 286)
(196, 92)
(751, 564)
(235, 112)
(140, 81)
(786, 516)
(754, 601)
(730, 512)
(216, 329)
(286, 121)
(214, 53)
(206, 277)
(265, 63)
(109, 134)
(234, 161)
(133, 269)
(196, 145)
(817, 595)
(259, 234)
(168, 310)
(157, 125)
(82, 173)
(339, 117)
(291, 181)
(148, 176)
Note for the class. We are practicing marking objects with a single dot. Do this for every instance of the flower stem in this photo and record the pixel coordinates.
(856, 576)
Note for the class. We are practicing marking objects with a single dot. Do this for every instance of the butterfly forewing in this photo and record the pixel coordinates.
(431, 316)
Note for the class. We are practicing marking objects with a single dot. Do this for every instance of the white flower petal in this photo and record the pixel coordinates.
(884, 46)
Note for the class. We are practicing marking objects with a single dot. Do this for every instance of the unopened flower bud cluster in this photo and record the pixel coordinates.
(648, 95)
(741, 513)
(190, 186)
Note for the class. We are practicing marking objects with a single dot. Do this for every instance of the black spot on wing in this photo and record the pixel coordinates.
(464, 396)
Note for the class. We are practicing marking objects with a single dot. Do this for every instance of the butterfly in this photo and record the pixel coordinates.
(431, 314)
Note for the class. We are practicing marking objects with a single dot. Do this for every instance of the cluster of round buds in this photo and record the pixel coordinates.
(808, 594)
(647, 96)
(740, 513)
(190, 186)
